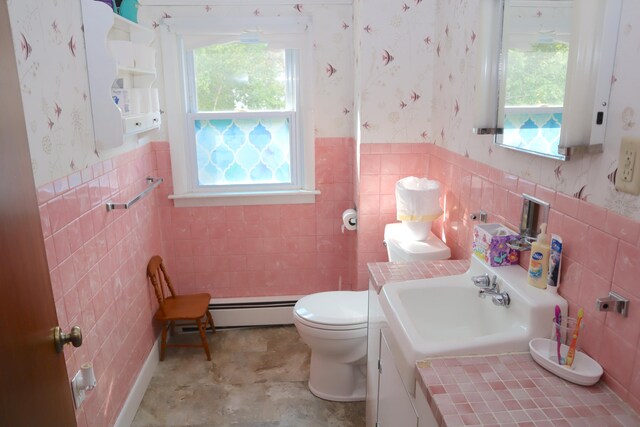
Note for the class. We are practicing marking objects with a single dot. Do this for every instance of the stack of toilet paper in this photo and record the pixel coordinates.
(417, 205)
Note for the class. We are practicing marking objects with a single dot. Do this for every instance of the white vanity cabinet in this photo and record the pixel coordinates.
(388, 401)
(121, 68)
(395, 406)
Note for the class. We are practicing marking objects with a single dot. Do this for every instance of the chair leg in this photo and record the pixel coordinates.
(163, 343)
(213, 327)
(172, 326)
(204, 338)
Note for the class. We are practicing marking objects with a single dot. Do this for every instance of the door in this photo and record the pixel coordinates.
(34, 390)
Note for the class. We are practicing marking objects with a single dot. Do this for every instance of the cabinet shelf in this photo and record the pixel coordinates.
(123, 24)
(120, 61)
(137, 71)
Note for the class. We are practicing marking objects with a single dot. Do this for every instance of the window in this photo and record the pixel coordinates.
(244, 132)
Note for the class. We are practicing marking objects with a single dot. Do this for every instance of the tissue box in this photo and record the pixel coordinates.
(490, 245)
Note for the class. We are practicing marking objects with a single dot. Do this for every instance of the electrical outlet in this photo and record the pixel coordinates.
(627, 177)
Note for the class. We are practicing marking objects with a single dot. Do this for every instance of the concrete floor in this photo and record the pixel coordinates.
(257, 377)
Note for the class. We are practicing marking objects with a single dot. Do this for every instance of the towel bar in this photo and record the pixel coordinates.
(153, 183)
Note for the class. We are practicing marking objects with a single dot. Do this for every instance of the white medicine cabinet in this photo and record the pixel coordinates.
(121, 68)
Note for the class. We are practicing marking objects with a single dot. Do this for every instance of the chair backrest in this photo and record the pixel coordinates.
(157, 274)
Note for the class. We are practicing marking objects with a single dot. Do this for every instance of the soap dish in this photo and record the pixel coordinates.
(584, 371)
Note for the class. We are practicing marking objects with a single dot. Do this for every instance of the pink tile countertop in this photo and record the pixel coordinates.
(382, 273)
(513, 390)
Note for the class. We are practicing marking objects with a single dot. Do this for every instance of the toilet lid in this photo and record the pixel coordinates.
(339, 308)
(430, 249)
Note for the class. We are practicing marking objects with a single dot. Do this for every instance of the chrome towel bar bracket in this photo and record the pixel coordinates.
(152, 183)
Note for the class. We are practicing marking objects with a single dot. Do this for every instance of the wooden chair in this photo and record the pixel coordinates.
(174, 307)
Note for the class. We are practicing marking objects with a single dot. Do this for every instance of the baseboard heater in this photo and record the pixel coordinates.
(246, 312)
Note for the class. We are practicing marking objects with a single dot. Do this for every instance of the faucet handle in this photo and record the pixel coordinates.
(502, 299)
(484, 281)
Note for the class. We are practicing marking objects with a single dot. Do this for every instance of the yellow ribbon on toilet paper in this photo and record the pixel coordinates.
(418, 218)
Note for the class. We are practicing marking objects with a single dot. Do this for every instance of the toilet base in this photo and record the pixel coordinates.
(338, 382)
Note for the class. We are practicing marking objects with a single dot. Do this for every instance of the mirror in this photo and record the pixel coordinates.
(534, 58)
(535, 212)
(547, 64)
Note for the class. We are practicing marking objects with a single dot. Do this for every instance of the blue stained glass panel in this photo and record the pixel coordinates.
(273, 157)
(234, 137)
(236, 174)
(260, 136)
(222, 157)
(210, 172)
(283, 172)
(207, 138)
(221, 125)
(243, 151)
(261, 173)
(247, 156)
(537, 131)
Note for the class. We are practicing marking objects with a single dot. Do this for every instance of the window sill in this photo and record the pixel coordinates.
(245, 198)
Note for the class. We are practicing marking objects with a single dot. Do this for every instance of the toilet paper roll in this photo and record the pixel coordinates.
(349, 219)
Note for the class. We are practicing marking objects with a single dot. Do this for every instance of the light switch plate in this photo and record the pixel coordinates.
(78, 393)
(628, 175)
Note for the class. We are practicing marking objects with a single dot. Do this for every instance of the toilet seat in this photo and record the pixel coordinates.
(336, 310)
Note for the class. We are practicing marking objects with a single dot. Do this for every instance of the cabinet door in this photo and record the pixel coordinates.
(395, 408)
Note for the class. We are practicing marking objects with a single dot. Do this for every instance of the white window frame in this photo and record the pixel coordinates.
(288, 32)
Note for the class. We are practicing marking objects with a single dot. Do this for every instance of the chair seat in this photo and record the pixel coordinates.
(187, 307)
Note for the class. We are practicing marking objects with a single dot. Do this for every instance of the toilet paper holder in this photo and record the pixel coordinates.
(349, 220)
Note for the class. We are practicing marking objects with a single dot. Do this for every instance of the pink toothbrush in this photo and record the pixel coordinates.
(558, 322)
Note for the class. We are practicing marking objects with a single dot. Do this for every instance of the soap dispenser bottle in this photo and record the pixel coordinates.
(539, 263)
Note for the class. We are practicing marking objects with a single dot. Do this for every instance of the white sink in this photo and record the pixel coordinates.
(444, 316)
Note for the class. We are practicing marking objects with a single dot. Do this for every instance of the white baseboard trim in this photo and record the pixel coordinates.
(131, 405)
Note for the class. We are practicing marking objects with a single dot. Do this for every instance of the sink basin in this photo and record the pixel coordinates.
(444, 316)
(447, 316)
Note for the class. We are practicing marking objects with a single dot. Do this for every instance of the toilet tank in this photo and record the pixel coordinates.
(402, 247)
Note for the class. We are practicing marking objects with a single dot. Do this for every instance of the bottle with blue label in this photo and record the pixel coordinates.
(539, 263)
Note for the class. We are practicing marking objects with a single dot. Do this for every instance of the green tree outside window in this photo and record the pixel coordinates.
(240, 76)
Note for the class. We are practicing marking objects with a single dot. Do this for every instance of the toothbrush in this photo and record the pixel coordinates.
(574, 340)
(558, 322)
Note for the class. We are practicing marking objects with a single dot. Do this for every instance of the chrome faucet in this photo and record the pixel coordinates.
(489, 286)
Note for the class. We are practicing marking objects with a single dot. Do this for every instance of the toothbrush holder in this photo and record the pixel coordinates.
(563, 334)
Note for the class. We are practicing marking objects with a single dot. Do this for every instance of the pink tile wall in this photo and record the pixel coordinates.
(238, 251)
(601, 248)
(381, 165)
(97, 261)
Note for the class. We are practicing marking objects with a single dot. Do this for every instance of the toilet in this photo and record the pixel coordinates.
(334, 324)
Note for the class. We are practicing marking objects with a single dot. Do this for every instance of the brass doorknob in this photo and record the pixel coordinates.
(60, 338)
